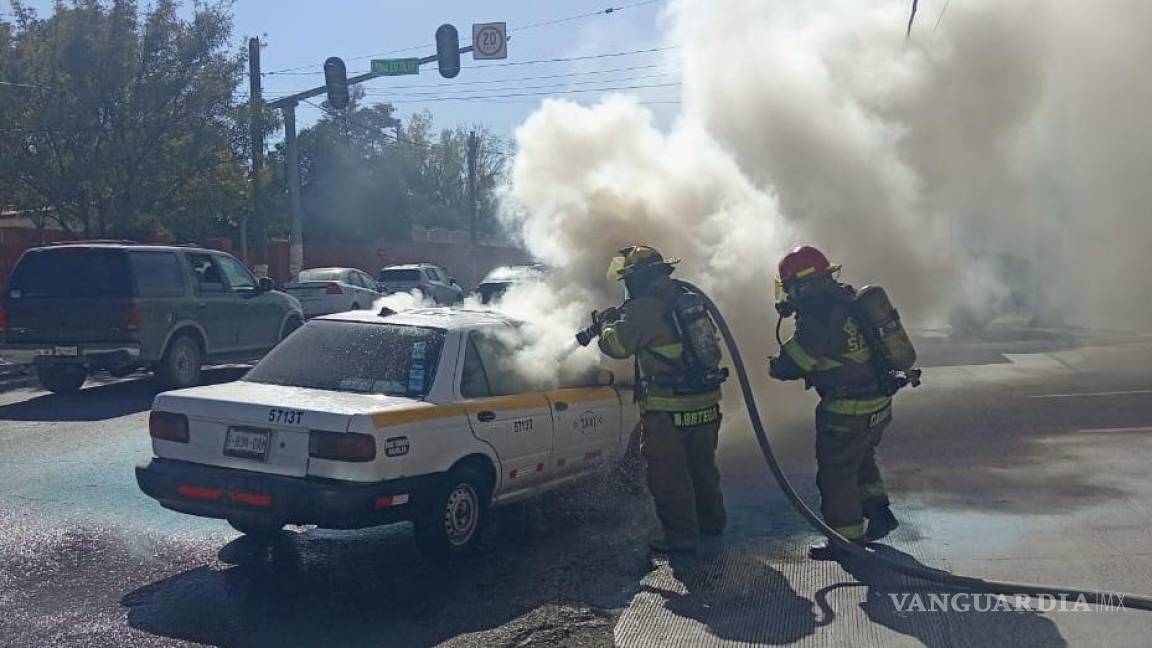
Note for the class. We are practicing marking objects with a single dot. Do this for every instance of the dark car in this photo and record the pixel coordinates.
(76, 308)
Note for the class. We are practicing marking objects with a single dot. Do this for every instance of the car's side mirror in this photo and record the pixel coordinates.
(452, 280)
(605, 377)
(265, 284)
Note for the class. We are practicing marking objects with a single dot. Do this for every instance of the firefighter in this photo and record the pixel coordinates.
(828, 351)
(679, 426)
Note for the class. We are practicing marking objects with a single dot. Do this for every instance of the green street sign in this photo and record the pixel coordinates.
(396, 67)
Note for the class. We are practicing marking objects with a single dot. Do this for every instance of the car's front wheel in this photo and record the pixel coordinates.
(180, 367)
(67, 379)
(450, 525)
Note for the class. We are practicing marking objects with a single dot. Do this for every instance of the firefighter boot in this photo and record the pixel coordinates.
(881, 522)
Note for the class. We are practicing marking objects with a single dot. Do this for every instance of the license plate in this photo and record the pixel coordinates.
(247, 443)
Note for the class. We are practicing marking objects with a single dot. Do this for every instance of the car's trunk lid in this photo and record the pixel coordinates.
(260, 427)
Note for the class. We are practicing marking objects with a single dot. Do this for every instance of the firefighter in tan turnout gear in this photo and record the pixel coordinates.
(673, 340)
(850, 346)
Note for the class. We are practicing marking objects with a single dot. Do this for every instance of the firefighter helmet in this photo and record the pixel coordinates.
(638, 258)
(805, 262)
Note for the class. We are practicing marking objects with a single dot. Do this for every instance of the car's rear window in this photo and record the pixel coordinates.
(322, 274)
(399, 275)
(71, 273)
(354, 357)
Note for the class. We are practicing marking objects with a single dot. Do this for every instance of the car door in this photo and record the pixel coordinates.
(587, 423)
(215, 306)
(503, 411)
(362, 295)
(259, 312)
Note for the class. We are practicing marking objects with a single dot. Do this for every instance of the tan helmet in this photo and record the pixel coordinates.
(638, 258)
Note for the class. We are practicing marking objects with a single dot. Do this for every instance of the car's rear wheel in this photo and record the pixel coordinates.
(450, 526)
(180, 367)
(66, 379)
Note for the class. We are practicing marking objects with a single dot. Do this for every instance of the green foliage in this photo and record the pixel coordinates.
(365, 175)
(131, 128)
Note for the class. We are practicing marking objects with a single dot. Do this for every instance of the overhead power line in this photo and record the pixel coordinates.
(605, 12)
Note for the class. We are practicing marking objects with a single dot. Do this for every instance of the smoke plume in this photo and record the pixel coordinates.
(998, 158)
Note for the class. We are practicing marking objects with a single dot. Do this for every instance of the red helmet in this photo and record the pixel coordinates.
(805, 262)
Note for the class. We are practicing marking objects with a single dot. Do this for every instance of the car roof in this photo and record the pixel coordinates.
(410, 266)
(126, 245)
(334, 268)
(514, 273)
(442, 318)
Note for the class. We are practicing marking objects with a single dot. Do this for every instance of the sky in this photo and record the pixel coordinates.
(300, 34)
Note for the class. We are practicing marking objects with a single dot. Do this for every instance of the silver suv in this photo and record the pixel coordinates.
(430, 280)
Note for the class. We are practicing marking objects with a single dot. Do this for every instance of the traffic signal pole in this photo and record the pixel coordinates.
(288, 106)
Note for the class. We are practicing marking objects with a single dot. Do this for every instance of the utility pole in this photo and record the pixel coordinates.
(447, 56)
(473, 150)
(256, 135)
(296, 248)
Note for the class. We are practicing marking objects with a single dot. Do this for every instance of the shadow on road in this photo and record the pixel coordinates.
(888, 591)
(547, 568)
(739, 597)
(100, 402)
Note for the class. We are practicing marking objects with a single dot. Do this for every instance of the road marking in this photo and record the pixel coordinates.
(1087, 394)
(1120, 430)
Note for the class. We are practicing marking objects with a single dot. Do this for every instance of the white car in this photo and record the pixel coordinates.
(323, 291)
(362, 419)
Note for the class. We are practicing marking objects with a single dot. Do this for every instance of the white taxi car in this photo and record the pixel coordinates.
(361, 419)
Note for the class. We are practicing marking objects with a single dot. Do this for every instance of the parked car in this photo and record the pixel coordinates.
(323, 291)
(424, 418)
(430, 280)
(76, 308)
(499, 280)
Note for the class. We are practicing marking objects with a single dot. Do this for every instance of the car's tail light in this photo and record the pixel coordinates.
(132, 319)
(168, 426)
(341, 446)
(334, 289)
(3, 319)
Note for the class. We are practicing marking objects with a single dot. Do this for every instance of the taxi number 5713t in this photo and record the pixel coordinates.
(285, 416)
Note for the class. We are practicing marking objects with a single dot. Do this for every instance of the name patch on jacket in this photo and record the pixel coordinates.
(698, 417)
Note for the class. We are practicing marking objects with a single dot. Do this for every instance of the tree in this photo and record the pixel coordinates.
(126, 125)
(365, 175)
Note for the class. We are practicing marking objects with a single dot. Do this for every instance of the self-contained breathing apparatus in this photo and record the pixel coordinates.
(689, 317)
(892, 354)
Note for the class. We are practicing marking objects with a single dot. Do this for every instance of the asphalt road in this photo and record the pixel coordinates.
(1025, 456)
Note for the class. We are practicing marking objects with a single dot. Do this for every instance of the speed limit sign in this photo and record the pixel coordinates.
(489, 41)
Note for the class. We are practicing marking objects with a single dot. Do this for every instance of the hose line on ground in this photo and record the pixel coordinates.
(1108, 599)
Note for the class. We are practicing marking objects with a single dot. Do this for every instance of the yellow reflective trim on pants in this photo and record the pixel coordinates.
(852, 531)
(872, 489)
(862, 407)
(806, 362)
(684, 403)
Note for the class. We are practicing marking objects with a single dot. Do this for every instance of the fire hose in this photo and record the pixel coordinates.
(859, 552)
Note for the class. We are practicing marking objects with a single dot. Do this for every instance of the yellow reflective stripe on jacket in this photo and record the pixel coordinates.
(860, 407)
(806, 362)
(679, 403)
(671, 351)
(611, 339)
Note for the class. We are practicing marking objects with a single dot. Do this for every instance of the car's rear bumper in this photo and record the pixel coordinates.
(103, 356)
(209, 491)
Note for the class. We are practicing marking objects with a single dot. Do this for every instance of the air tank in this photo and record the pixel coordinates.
(873, 305)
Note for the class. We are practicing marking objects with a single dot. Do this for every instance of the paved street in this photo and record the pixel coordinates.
(1024, 457)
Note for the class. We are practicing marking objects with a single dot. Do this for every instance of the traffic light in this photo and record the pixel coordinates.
(448, 51)
(336, 78)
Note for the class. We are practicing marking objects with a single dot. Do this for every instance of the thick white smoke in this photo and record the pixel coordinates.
(1004, 153)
